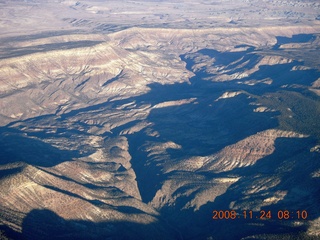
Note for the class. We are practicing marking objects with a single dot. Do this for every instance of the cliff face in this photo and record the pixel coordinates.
(150, 130)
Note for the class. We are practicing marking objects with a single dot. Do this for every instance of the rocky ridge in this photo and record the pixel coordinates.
(152, 128)
(59, 81)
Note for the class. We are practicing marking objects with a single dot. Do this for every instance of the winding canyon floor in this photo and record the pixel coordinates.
(141, 119)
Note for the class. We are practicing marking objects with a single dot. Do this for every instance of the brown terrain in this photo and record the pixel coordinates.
(136, 120)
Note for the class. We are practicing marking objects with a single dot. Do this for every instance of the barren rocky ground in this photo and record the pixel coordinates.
(140, 119)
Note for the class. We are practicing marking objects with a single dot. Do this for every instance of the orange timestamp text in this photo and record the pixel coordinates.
(263, 214)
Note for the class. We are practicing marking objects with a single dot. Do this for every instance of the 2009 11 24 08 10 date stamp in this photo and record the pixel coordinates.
(263, 214)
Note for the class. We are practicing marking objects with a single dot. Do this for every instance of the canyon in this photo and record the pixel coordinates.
(136, 131)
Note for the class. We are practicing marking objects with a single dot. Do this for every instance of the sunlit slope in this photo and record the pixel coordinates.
(58, 81)
(145, 132)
